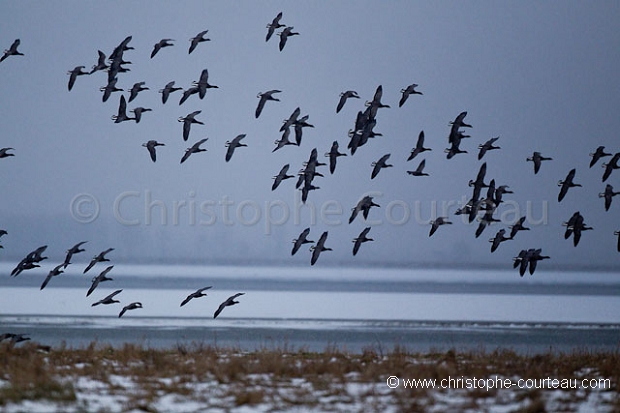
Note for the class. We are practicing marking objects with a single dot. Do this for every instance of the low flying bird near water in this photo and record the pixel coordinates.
(74, 73)
(12, 51)
(98, 258)
(300, 240)
(57, 270)
(343, 98)
(108, 299)
(196, 294)
(187, 122)
(229, 302)
(30, 261)
(231, 145)
(566, 184)
(151, 145)
(498, 239)
(194, 149)
(275, 24)
(132, 306)
(406, 92)
(99, 279)
(159, 45)
(319, 248)
(537, 158)
(361, 238)
(528, 257)
(264, 97)
(199, 38)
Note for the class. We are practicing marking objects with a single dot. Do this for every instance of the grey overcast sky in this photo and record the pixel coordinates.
(541, 75)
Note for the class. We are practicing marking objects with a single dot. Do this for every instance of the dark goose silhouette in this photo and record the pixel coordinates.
(135, 89)
(229, 302)
(285, 34)
(380, 164)
(99, 279)
(487, 146)
(277, 180)
(158, 46)
(598, 154)
(194, 149)
(518, 226)
(187, 123)
(566, 184)
(98, 258)
(333, 155)
(199, 38)
(361, 238)
(196, 294)
(436, 223)
(319, 248)
(343, 98)
(264, 97)
(537, 158)
(300, 240)
(167, 90)
(231, 145)
(419, 169)
(109, 88)
(5, 154)
(608, 195)
(610, 166)
(419, 147)
(137, 112)
(121, 115)
(151, 145)
(409, 90)
(498, 239)
(54, 272)
(74, 73)
(128, 307)
(108, 300)
(101, 63)
(275, 24)
(12, 51)
(363, 205)
(73, 250)
(203, 84)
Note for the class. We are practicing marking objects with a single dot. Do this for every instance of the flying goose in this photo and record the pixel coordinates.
(285, 34)
(135, 89)
(203, 84)
(98, 258)
(300, 240)
(54, 272)
(74, 73)
(537, 158)
(194, 149)
(109, 88)
(319, 248)
(199, 38)
(608, 195)
(598, 154)
(298, 126)
(229, 301)
(11, 51)
(436, 223)
(361, 238)
(5, 154)
(131, 306)
(566, 184)
(283, 141)
(375, 103)
(99, 279)
(409, 90)
(187, 123)
(487, 146)
(498, 239)
(419, 147)
(137, 112)
(378, 165)
(121, 115)
(343, 98)
(101, 63)
(363, 205)
(333, 155)
(231, 145)
(108, 300)
(264, 97)
(196, 294)
(518, 226)
(160, 44)
(611, 165)
(151, 145)
(275, 24)
(167, 90)
(291, 119)
(419, 169)
(277, 180)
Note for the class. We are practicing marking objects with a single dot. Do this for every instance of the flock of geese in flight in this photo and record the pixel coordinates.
(479, 207)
